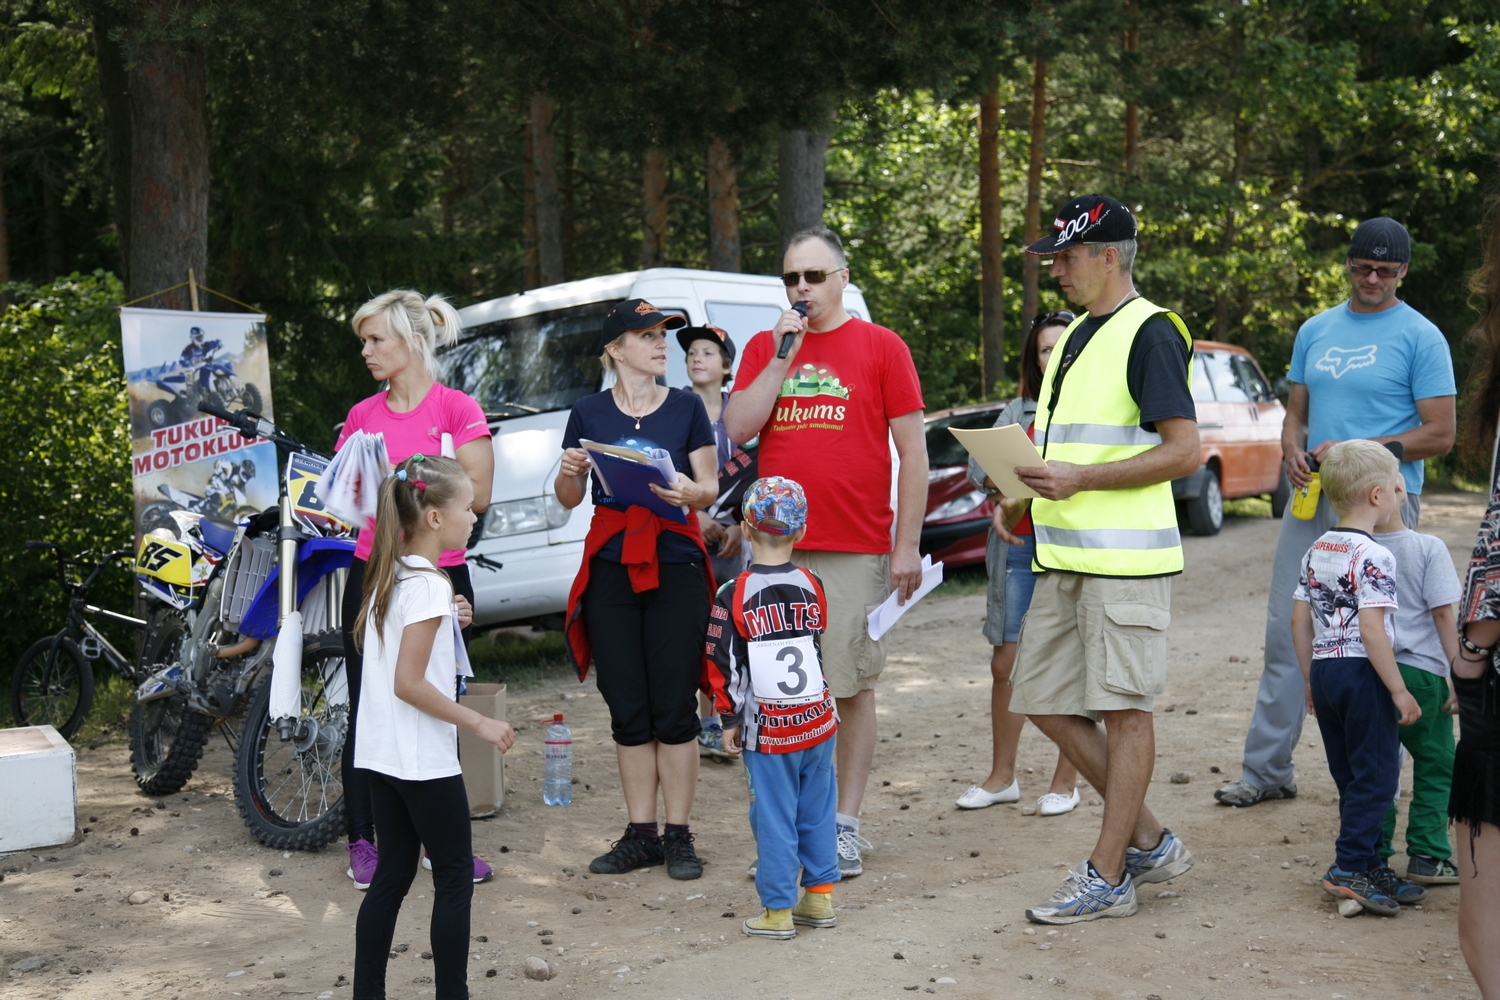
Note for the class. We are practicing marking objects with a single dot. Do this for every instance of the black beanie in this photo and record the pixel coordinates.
(1383, 239)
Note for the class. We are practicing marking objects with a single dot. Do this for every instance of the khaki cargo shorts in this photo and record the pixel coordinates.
(1092, 644)
(855, 584)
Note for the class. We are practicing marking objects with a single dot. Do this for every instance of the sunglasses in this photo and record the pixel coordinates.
(1060, 317)
(1364, 271)
(792, 278)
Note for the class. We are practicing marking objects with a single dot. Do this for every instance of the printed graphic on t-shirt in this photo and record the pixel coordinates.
(1337, 360)
(811, 397)
(1342, 573)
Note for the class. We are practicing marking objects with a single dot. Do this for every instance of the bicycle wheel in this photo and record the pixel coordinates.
(166, 737)
(291, 792)
(53, 686)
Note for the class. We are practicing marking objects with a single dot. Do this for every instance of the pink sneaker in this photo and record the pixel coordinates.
(482, 870)
(363, 857)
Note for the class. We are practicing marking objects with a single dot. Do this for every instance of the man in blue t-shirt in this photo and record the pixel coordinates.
(1372, 367)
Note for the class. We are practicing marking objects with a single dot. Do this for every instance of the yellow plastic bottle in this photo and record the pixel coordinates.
(1305, 500)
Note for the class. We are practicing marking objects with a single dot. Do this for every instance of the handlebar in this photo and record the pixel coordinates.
(64, 561)
(33, 544)
(252, 425)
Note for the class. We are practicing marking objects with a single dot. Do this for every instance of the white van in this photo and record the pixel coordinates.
(527, 358)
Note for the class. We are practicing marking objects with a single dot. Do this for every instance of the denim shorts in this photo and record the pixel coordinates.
(1011, 584)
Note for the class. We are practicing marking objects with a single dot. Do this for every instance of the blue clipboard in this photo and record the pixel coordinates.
(628, 482)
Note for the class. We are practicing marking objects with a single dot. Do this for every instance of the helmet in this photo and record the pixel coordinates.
(247, 468)
(197, 334)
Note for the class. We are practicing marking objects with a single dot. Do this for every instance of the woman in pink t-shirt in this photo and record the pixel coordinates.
(399, 333)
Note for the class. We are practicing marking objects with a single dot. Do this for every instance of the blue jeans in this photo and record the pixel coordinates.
(1361, 737)
(793, 800)
(1010, 589)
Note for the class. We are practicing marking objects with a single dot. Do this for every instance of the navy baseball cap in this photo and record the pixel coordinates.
(637, 314)
(1092, 218)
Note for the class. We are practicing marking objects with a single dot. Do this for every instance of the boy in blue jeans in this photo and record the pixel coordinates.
(1343, 628)
(766, 673)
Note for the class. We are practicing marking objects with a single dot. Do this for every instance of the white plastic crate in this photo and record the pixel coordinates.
(38, 789)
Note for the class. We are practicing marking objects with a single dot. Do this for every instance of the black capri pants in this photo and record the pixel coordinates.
(648, 650)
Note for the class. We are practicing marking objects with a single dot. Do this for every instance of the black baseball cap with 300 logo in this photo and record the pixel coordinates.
(1091, 218)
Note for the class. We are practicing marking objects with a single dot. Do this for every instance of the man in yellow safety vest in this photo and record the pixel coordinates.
(1116, 424)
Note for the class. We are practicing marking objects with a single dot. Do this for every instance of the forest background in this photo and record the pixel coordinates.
(301, 155)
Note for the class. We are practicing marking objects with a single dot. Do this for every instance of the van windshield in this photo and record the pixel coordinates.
(530, 364)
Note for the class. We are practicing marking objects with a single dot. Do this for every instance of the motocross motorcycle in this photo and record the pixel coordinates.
(207, 381)
(221, 589)
(229, 505)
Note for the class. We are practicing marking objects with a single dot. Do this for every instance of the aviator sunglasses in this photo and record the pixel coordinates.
(791, 278)
(1364, 271)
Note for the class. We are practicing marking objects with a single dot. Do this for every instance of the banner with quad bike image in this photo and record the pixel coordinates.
(183, 459)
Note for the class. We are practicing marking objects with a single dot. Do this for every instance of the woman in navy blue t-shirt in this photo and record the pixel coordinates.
(639, 606)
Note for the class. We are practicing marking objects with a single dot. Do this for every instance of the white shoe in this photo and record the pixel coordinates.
(977, 798)
(1053, 804)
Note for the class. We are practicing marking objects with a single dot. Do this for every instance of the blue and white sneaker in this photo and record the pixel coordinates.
(851, 862)
(1084, 895)
(1167, 859)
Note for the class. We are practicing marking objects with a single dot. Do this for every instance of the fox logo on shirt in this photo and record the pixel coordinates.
(1338, 360)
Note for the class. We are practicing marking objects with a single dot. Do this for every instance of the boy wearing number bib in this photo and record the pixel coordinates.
(766, 673)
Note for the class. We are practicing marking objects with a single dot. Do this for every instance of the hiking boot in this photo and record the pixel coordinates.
(850, 862)
(771, 924)
(363, 857)
(682, 861)
(1404, 892)
(1085, 895)
(1241, 793)
(1427, 870)
(1360, 887)
(815, 909)
(1167, 859)
(627, 854)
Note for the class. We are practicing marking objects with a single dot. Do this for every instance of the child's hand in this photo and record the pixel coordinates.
(1310, 709)
(496, 732)
(1407, 706)
(732, 740)
(464, 610)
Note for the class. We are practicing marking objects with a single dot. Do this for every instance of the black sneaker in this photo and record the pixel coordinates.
(1404, 892)
(628, 853)
(682, 861)
(1428, 870)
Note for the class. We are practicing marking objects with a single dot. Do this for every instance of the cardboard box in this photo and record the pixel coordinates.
(483, 763)
(38, 789)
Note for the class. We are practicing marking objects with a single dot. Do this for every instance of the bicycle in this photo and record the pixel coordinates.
(54, 683)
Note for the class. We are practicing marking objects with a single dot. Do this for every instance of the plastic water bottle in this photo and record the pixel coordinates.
(557, 781)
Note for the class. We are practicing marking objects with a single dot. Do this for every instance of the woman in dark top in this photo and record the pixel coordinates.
(639, 607)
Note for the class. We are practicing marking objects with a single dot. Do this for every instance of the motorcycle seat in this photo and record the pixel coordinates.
(217, 534)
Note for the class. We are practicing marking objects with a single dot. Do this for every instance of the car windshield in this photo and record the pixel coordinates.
(943, 448)
(530, 364)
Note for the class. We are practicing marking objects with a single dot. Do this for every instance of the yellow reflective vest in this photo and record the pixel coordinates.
(1093, 420)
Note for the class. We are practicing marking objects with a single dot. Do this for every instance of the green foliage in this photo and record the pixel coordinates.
(66, 423)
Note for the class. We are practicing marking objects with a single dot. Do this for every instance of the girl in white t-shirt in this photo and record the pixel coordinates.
(408, 736)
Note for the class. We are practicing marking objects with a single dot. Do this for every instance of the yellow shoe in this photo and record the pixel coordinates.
(815, 909)
(771, 924)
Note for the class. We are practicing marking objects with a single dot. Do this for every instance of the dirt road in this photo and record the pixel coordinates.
(938, 909)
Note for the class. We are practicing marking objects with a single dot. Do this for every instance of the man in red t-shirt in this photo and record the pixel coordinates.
(826, 415)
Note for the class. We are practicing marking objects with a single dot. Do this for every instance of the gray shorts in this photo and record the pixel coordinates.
(855, 584)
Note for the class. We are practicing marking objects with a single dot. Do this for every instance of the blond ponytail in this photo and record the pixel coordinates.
(423, 325)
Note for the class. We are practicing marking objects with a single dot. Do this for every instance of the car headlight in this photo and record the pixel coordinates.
(516, 517)
(958, 507)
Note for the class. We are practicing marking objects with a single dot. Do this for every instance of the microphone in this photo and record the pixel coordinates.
(800, 308)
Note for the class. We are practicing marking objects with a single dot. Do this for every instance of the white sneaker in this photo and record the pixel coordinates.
(977, 798)
(1053, 804)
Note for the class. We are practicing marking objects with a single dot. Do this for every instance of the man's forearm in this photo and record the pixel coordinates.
(750, 408)
(1423, 441)
(1167, 461)
(911, 499)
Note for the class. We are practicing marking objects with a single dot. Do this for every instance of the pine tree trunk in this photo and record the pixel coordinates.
(723, 209)
(548, 205)
(1031, 266)
(801, 164)
(53, 230)
(169, 170)
(4, 237)
(991, 244)
(532, 277)
(654, 222)
(115, 99)
(1132, 114)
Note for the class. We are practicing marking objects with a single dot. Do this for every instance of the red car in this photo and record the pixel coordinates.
(1239, 426)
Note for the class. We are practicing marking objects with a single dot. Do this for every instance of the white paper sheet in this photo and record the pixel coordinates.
(883, 617)
(350, 485)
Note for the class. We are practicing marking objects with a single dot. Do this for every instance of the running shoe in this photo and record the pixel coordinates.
(1166, 860)
(711, 743)
(977, 798)
(682, 860)
(627, 854)
(1427, 870)
(1085, 895)
(482, 871)
(1054, 804)
(363, 857)
(1241, 793)
(1362, 888)
(850, 861)
(1404, 892)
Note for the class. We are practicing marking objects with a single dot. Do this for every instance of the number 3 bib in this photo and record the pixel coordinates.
(785, 670)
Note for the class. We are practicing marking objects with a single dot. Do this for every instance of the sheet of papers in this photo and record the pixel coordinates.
(883, 617)
(350, 485)
(999, 452)
(659, 457)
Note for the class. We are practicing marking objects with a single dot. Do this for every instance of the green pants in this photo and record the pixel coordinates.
(1429, 740)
